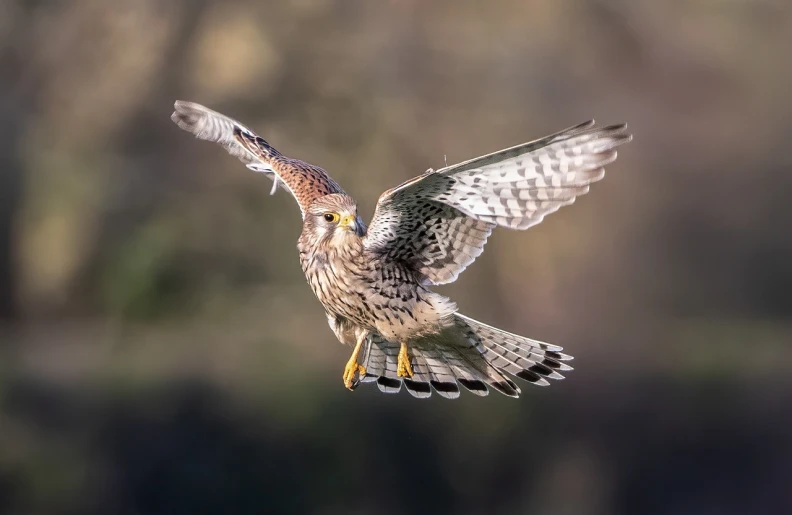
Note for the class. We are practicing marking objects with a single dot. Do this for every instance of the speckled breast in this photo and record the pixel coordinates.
(384, 297)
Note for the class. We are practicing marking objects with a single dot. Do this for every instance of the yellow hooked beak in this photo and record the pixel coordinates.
(349, 222)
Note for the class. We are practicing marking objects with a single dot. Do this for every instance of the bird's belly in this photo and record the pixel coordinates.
(393, 305)
(400, 320)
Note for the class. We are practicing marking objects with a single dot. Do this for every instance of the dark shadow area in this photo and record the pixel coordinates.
(189, 448)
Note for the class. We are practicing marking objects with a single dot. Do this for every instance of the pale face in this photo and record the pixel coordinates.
(333, 219)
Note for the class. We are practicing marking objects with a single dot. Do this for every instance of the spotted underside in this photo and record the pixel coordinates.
(425, 232)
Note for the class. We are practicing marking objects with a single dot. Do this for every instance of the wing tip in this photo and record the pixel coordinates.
(617, 133)
(185, 107)
(187, 115)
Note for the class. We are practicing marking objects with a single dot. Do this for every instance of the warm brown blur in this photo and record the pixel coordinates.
(160, 350)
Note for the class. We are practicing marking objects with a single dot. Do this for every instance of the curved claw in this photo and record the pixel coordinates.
(352, 368)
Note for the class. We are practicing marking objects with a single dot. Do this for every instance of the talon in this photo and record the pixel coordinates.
(403, 368)
(352, 368)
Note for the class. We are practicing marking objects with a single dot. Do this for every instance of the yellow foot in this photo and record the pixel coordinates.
(352, 368)
(403, 368)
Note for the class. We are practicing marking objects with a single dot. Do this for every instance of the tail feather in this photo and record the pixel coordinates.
(469, 353)
(380, 359)
(442, 377)
(528, 359)
(430, 369)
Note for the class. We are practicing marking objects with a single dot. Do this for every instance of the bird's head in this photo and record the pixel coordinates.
(333, 219)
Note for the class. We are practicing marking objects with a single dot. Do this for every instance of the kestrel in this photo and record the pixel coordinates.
(374, 281)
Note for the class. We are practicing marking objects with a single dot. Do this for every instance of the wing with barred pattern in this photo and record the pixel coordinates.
(439, 222)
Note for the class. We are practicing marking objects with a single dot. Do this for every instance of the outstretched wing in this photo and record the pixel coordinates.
(439, 222)
(304, 181)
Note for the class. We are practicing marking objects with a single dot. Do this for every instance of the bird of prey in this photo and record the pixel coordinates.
(374, 281)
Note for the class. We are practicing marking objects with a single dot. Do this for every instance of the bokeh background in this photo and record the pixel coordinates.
(162, 354)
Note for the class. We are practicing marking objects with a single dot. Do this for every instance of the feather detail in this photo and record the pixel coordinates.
(304, 181)
(439, 221)
(469, 353)
(425, 231)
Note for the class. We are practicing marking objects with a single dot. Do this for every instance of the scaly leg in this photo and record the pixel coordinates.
(352, 366)
(403, 368)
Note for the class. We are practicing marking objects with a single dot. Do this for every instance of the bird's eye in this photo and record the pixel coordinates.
(331, 217)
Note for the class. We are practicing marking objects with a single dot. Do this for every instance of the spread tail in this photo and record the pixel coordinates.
(469, 353)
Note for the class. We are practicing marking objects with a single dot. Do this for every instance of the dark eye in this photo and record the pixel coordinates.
(331, 217)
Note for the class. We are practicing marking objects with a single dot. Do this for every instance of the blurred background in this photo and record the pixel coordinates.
(162, 354)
